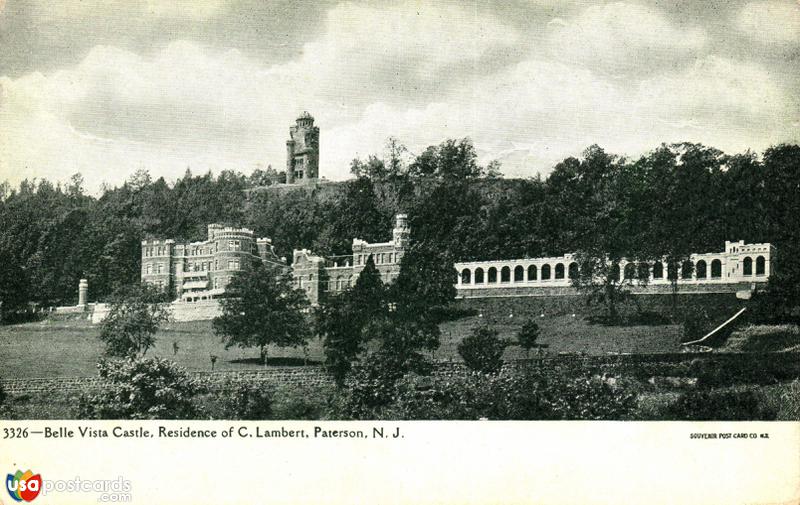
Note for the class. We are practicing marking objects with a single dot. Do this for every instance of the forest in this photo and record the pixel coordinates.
(672, 201)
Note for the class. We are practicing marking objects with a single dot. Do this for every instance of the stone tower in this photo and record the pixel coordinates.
(302, 151)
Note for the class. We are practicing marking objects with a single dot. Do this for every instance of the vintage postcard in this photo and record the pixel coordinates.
(440, 251)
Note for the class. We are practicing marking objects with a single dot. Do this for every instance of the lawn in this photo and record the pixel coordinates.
(71, 348)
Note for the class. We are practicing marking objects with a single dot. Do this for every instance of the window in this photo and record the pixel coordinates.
(761, 266)
(716, 269)
(573, 271)
(686, 270)
(747, 266)
(148, 269)
(658, 270)
(234, 245)
(466, 276)
(492, 275)
(505, 274)
(545, 272)
(701, 269)
(478, 276)
(233, 264)
(630, 271)
(560, 271)
(519, 273)
(532, 273)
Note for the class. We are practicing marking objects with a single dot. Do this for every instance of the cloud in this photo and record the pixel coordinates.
(771, 22)
(83, 9)
(421, 76)
(621, 37)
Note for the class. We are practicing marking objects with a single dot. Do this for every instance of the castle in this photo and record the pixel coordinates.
(319, 276)
(200, 271)
(302, 151)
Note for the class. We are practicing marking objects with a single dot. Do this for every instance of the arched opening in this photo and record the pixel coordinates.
(643, 272)
(573, 271)
(532, 273)
(716, 269)
(478, 275)
(614, 275)
(761, 266)
(658, 270)
(545, 272)
(686, 269)
(519, 273)
(505, 274)
(747, 266)
(702, 269)
(466, 276)
(672, 271)
(559, 271)
(630, 271)
(492, 275)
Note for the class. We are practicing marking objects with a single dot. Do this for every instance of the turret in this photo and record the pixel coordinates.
(401, 231)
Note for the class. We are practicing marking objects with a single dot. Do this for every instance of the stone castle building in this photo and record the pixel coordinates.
(740, 267)
(302, 151)
(198, 271)
(319, 276)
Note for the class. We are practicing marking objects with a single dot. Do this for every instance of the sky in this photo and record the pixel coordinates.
(108, 87)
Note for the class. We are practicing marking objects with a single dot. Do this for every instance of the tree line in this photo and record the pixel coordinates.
(671, 201)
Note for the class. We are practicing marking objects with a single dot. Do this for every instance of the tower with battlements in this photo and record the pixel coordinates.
(302, 151)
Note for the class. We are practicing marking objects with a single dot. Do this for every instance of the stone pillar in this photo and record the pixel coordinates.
(83, 292)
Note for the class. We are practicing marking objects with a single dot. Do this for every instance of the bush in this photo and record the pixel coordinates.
(2, 395)
(247, 402)
(296, 403)
(368, 387)
(521, 394)
(697, 323)
(715, 405)
(141, 388)
(482, 351)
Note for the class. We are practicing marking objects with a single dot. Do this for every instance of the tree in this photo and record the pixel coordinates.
(342, 318)
(13, 287)
(606, 188)
(261, 307)
(426, 281)
(141, 388)
(528, 334)
(482, 351)
(134, 315)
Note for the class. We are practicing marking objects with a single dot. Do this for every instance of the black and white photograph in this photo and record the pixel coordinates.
(431, 210)
(438, 210)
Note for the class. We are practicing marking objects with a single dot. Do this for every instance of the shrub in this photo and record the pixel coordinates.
(528, 334)
(2, 395)
(369, 386)
(247, 402)
(716, 405)
(697, 323)
(521, 394)
(482, 351)
(141, 388)
(309, 403)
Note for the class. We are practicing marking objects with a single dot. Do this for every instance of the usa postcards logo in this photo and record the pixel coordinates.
(23, 486)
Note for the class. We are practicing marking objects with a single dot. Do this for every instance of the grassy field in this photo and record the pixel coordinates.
(71, 348)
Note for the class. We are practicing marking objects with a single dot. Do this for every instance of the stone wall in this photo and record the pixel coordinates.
(509, 291)
(179, 311)
(296, 376)
(649, 365)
